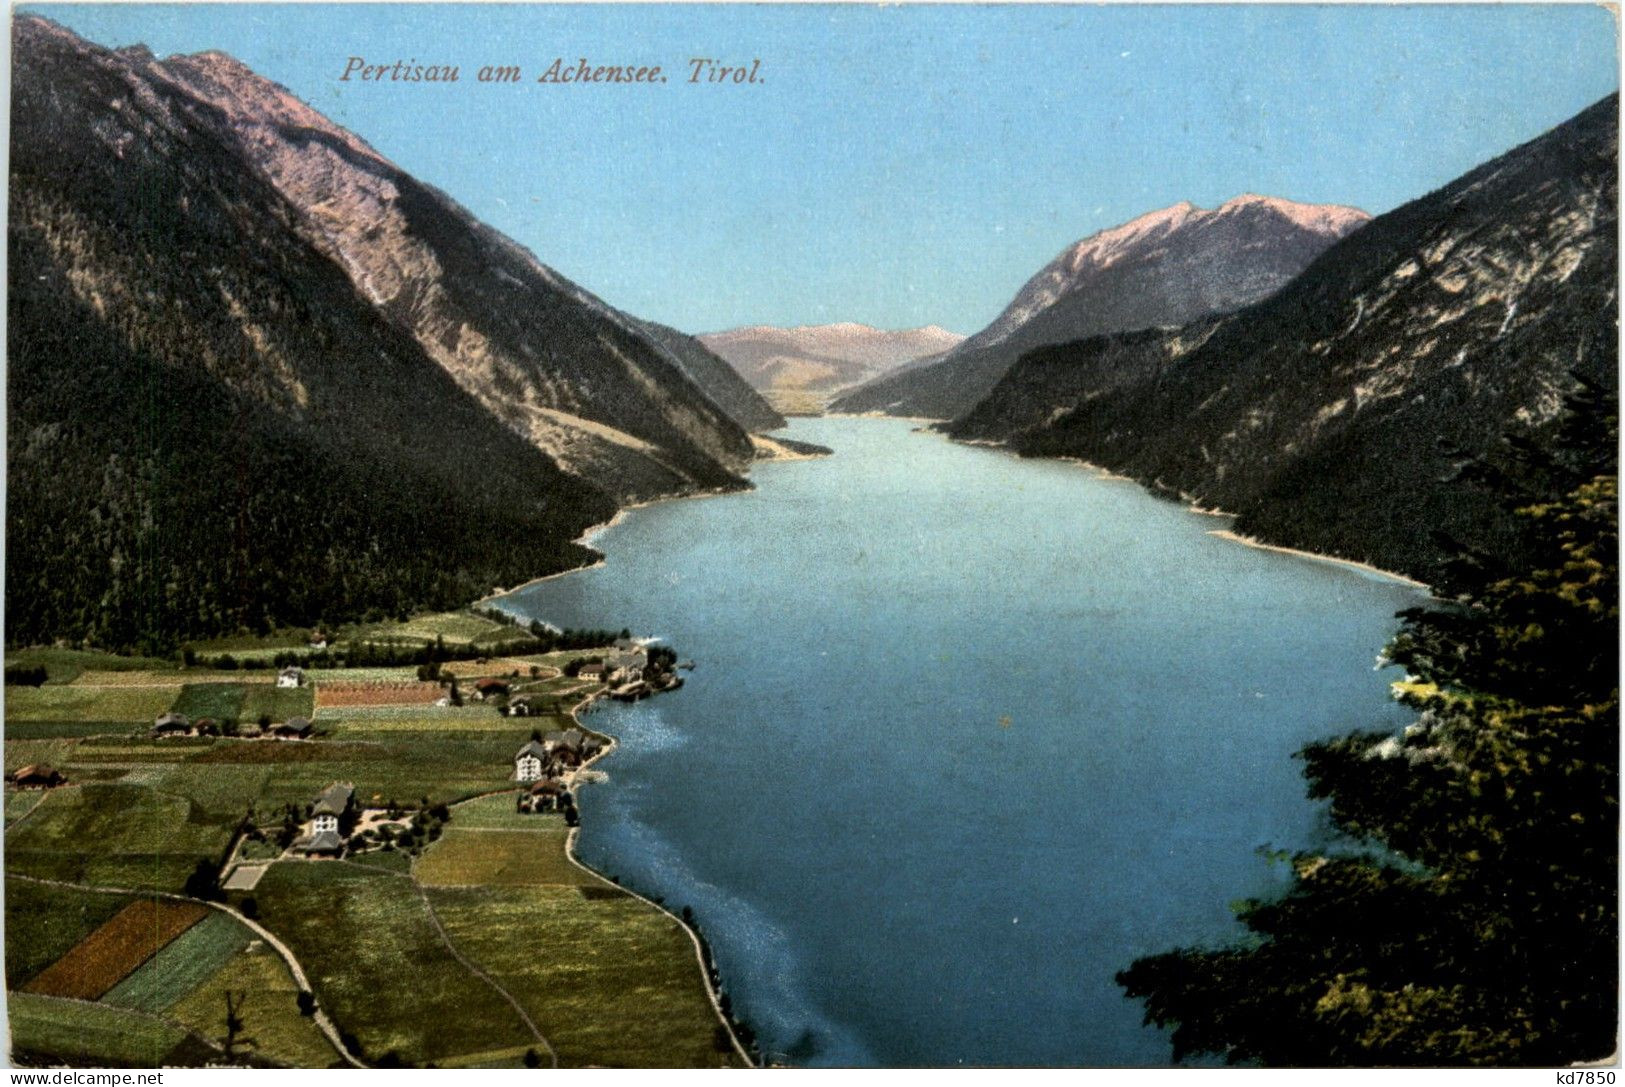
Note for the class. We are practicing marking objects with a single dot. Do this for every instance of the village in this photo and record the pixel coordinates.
(311, 803)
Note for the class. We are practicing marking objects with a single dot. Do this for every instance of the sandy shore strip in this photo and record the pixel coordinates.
(1363, 567)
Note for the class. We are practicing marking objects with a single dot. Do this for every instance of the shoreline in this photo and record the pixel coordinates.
(1354, 564)
(1209, 511)
(712, 993)
(592, 532)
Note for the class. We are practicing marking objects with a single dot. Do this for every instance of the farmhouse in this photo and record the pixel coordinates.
(544, 796)
(291, 676)
(294, 728)
(528, 763)
(37, 776)
(172, 724)
(521, 707)
(593, 670)
(330, 806)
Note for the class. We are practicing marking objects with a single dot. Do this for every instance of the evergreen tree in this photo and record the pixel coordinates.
(1473, 918)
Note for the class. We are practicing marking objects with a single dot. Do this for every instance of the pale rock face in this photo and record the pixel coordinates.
(1156, 236)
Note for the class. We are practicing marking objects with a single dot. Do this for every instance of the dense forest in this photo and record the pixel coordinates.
(1471, 915)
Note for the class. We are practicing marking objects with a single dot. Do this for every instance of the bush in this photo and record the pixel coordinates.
(18, 676)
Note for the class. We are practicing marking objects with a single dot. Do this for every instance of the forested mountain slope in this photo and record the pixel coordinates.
(1331, 415)
(1165, 268)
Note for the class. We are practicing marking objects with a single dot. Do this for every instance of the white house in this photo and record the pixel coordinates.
(333, 802)
(528, 763)
(291, 676)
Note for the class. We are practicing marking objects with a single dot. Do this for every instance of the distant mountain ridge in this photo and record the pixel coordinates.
(1164, 268)
(1331, 415)
(803, 367)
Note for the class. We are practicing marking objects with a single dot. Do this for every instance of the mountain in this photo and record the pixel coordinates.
(1332, 415)
(579, 379)
(1165, 268)
(800, 369)
(257, 375)
(721, 382)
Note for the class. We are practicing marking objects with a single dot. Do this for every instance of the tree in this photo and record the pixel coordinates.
(1473, 917)
(204, 882)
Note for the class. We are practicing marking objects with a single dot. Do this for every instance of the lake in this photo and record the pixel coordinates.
(967, 734)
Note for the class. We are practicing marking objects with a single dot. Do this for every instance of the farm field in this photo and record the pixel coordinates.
(114, 835)
(500, 858)
(158, 678)
(217, 700)
(269, 1010)
(611, 981)
(380, 966)
(337, 693)
(44, 922)
(182, 966)
(137, 705)
(100, 974)
(64, 665)
(92, 1034)
(276, 703)
(105, 957)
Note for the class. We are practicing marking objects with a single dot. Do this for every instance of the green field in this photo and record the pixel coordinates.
(217, 700)
(431, 716)
(497, 812)
(181, 966)
(403, 674)
(65, 665)
(20, 802)
(162, 677)
(277, 703)
(137, 705)
(115, 835)
(609, 981)
(92, 1034)
(49, 730)
(356, 724)
(268, 1008)
(379, 966)
(43, 923)
(458, 627)
(500, 858)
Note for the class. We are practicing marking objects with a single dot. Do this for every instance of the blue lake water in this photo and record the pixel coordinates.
(967, 735)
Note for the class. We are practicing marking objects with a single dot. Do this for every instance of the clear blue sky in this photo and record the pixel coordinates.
(901, 166)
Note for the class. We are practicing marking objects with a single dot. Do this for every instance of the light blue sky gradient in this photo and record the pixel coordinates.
(901, 166)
